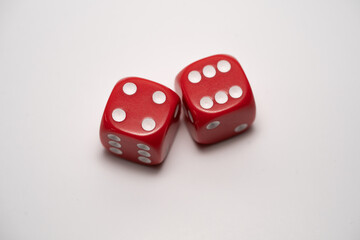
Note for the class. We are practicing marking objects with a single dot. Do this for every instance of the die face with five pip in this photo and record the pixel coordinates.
(217, 98)
(140, 120)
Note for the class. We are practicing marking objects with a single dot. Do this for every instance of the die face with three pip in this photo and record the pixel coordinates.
(140, 120)
(217, 98)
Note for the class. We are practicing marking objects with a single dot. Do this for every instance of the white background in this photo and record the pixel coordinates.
(295, 175)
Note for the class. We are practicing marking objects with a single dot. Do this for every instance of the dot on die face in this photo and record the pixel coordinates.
(209, 71)
(144, 159)
(221, 97)
(113, 137)
(115, 144)
(190, 116)
(213, 125)
(235, 92)
(118, 115)
(148, 124)
(143, 146)
(241, 127)
(194, 77)
(223, 66)
(206, 102)
(176, 111)
(144, 153)
(115, 150)
(129, 88)
(159, 97)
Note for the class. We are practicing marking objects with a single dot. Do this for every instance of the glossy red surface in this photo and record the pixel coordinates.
(231, 114)
(138, 106)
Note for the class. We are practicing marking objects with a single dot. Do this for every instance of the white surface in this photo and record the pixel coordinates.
(294, 175)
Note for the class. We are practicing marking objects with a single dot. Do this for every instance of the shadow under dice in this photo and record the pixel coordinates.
(217, 98)
(140, 120)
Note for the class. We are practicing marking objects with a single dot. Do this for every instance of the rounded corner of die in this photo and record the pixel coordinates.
(223, 55)
(121, 81)
(180, 77)
(228, 56)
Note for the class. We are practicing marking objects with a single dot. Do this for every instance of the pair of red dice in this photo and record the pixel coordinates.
(141, 117)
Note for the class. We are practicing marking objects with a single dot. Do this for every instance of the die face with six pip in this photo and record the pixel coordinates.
(217, 98)
(140, 120)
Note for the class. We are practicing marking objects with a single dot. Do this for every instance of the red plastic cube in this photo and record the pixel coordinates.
(217, 97)
(140, 120)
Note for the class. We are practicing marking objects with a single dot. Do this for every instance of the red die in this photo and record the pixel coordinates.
(217, 98)
(140, 120)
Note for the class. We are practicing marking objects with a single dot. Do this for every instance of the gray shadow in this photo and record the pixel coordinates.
(235, 141)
